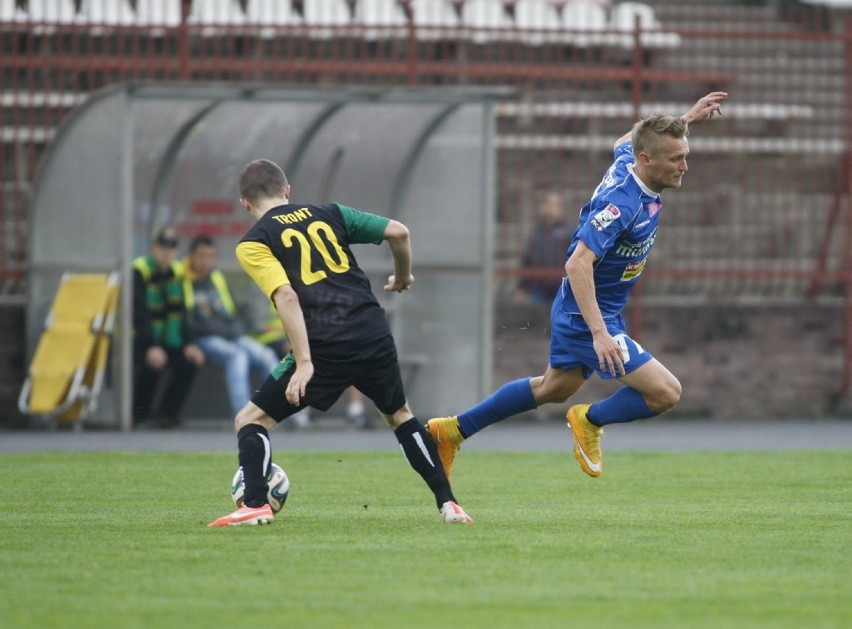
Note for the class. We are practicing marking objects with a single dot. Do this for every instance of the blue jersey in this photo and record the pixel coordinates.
(619, 224)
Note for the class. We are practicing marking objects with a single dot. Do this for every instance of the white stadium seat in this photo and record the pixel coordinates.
(216, 12)
(380, 18)
(60, 11)
(270, 14)
(625, 16)
(326, 13)
(589, 19)
(9, 12)
(108, 12)
(534, 18)
(334, 12)
(433, 15)
(485, 16)
(158, 12)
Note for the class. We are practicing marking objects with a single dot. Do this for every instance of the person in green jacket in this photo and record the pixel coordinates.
(164, 354)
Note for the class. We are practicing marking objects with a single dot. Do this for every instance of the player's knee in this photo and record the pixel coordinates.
(397, 419)
(667, 397)
(251, 414)
(554, 390)
(241, 420)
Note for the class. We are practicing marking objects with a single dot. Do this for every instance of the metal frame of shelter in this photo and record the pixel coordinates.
(135, 157)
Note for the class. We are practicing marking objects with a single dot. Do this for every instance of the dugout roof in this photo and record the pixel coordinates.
(133, 158)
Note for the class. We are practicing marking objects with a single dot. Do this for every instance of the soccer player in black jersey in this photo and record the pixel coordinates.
(300, 257)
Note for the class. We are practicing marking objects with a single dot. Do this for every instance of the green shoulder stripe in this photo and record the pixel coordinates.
(363, 227)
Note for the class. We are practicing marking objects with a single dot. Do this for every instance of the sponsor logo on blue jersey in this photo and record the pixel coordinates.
(602, 219)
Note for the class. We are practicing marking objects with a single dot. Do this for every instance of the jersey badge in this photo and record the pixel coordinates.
(602, 219)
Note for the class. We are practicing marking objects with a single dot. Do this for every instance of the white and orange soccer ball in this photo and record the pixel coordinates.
(279, 488)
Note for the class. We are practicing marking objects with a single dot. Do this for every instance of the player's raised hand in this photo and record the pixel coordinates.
(706, 107)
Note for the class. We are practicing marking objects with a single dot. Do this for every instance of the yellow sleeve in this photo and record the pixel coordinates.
(261, 266)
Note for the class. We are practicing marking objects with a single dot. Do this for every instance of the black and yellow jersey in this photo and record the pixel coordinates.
(308, 247)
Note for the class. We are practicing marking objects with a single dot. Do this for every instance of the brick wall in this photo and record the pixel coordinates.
(734, 362)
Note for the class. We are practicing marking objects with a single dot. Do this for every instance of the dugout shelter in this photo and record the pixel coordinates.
(133, 158)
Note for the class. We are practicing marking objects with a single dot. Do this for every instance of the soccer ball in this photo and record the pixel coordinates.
(279, 488)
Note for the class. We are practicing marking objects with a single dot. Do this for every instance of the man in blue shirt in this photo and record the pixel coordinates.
(616, 231)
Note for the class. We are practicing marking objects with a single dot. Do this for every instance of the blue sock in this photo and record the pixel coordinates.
(510, 399)
(625, 405)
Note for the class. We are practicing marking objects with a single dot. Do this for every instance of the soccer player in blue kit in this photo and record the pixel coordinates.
(616, 232)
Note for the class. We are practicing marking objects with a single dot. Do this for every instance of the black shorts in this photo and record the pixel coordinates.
(373, 369)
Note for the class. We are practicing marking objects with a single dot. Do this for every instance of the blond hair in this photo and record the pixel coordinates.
(648, 133)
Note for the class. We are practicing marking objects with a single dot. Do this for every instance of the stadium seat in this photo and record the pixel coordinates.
(108, 12)
(433, 16)
(55, 13)
(381, 18)
(487, 18)
(66, 371)
(216, 12)
(534, 18)
(271, 14)
(9, 12)
(158, 13)
(59, 11)
(327, 16)
(625, 16)
(589, 22)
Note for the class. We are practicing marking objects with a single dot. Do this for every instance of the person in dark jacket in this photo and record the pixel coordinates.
(163, 352)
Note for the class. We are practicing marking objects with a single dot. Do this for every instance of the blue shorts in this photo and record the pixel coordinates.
(571, 344)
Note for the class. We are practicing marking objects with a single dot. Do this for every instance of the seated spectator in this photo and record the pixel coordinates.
(263, 323)
(217, 330)
(545, 252)
(162, 347)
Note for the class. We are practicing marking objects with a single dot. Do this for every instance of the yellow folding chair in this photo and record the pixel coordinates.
(67, 368)
(96, 368)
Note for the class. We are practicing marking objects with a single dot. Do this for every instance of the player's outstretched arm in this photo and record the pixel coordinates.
(706, 107)
(400, 245)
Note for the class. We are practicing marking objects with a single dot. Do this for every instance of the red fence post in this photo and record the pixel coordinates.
(183, 40)
(411, 50)
(638, 63)
(636, 85)
(847, 270)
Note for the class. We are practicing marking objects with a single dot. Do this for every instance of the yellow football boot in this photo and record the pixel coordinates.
(445, 433)
(587, 440)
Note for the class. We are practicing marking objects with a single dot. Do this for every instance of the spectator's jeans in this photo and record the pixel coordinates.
(238, 357)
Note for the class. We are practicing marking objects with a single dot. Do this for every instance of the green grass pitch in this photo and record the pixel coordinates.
(715, 540)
